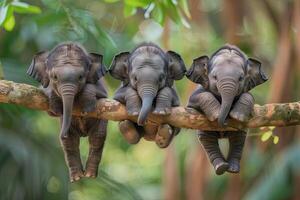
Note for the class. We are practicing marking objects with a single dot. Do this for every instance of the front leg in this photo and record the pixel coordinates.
(130, 98)
(55, 103)
(87, 98)
(242, 109)
(72, 155)
(133, 102)
(206, 102)
(97, 136)
(164, 101)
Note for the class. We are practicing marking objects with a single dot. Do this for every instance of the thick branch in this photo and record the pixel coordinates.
(286, 114)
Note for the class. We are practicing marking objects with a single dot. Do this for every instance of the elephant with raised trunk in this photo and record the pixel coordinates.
(225, 79)
(71, 77)
(147, 74)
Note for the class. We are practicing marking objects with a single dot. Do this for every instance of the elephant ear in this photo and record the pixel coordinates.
(255, 74)
(198, 72)
(176, 66)
(97, 68)
(38, 68)
(119, 66)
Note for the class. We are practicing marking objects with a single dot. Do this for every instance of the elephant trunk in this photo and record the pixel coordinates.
(67, 92)
(228, 90)
(147, 92)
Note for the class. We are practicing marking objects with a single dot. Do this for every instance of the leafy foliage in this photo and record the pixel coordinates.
(9, 8)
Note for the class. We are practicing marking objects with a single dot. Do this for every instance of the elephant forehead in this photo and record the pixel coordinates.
(147, 59)
(68, 54)
(67, 69)
(228, 58)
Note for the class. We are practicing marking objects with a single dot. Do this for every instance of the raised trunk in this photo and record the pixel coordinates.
(228, 90)
(68, 92)
(147, 92)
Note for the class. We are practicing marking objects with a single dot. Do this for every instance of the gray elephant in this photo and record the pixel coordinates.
(70, 75)
(147, 75)
(225, 79)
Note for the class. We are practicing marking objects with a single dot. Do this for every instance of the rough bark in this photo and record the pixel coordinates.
(285, 114)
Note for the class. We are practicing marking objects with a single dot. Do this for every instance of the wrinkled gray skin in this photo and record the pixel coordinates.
(147, 75)
(225, 80)
(71, 76)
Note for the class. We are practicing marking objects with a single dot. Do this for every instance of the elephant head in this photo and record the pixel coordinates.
(227, 74)
(66, 69)
(147, 69)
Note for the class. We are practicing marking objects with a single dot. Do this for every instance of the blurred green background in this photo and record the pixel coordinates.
(31, 160)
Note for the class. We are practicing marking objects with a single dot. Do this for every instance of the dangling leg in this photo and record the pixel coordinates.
(165, 134)
(97, 138)
(236, 145)
(72, 155)
(129, 131)
(209, 141)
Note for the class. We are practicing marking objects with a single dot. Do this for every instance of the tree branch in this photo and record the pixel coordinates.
(285, 114)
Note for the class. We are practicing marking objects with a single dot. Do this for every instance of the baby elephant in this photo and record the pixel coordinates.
(70, 76)
(225, 79)
(147, 75)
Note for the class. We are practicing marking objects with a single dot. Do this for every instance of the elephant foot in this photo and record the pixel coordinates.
(213, 116)
(164, 136)
(238, 115)
(76, 174)
(220, 166)
(234, 166)
(162, 111)
(91, 172)
(129, 132)
(133, 112)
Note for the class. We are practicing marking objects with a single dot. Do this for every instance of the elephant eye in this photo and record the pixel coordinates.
(215, 77)
(80, 78)
(241, 78)
(161, 78)
(55, 77)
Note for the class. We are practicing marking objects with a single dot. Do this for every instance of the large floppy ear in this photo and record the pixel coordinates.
(198, 72)
(176, 66)
(97, 68)
(119, 66)
(38, 69)
(255, 75)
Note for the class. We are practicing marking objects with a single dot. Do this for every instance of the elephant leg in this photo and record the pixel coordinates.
(87, 98)
(242, 109)
(133, 102)
(236, 145)
(209, 141)
(96, 143)
(165, 135)
(70, 146)
(163, 101)
(206, 102)
(55, 105)
(129, 131)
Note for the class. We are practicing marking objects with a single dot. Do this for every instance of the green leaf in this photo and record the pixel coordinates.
(129, 10)
(21, 7)
(158, 14)
(3, 14)
(185, 7)
(275, 139)
(9, 24)
(266, 136)
(138, 3)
